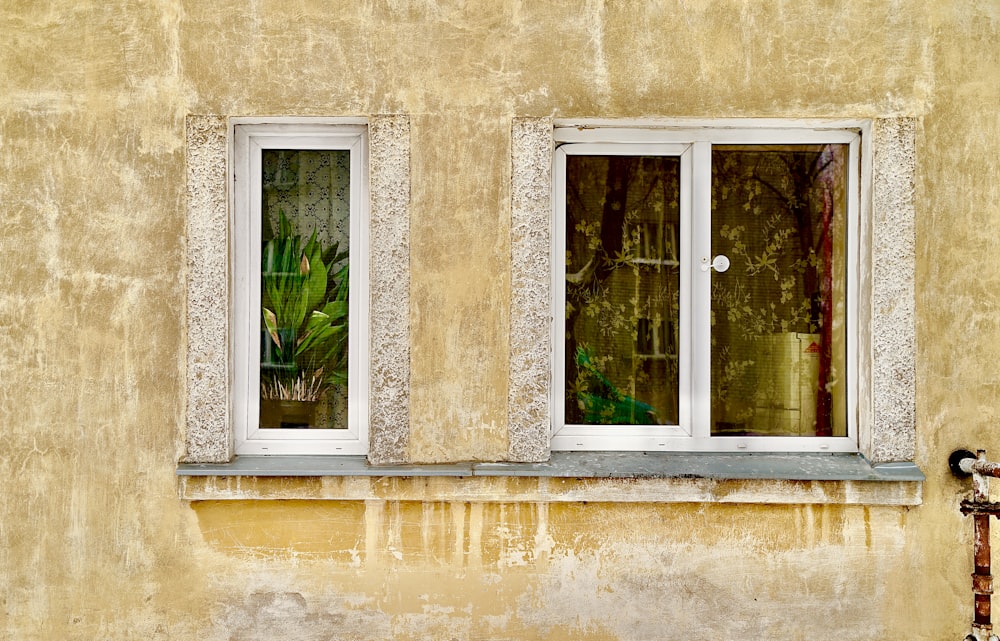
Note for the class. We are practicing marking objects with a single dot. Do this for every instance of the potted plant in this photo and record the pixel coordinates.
(304, 308)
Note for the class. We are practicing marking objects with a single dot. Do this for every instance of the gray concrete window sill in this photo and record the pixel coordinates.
(567, 476)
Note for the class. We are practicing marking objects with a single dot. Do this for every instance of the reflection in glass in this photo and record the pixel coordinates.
(305, 226)
(779, 213)
(622, 283)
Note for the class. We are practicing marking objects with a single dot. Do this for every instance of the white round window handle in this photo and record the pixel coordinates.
(720, 263)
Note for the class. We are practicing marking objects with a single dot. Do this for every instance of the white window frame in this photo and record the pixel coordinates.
(693, 147)
(248, 140)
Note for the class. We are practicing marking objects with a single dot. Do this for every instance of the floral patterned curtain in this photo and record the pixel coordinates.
(777, 318)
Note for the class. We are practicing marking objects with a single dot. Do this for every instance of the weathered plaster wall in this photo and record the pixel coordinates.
(94, 542)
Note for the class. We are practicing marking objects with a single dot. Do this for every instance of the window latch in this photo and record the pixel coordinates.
(720, 263)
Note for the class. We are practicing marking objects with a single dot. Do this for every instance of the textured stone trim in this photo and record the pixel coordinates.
(389, 269)
(892, 342)
(886, 316)
(208, 438)
(531, 284)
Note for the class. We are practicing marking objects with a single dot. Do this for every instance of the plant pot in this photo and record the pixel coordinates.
(278, 414)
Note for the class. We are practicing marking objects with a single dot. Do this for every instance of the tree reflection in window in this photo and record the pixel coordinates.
(778, 315)
(778, 331)
(622, 217)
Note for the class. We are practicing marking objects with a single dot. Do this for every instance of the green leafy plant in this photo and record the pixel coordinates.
(304, 305)
(601, 402)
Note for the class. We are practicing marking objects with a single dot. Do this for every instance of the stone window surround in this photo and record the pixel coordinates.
(209, 437)
(882, 473)
(886, 355)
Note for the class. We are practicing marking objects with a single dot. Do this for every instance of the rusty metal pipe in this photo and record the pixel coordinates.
(982, 580)
(975, 466)
(964, 463)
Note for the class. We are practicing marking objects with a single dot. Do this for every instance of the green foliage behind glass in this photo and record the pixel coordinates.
(305, 314)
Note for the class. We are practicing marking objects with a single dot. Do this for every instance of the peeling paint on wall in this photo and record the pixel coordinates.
(95, 542)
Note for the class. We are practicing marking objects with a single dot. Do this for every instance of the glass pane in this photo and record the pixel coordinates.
(305, 227)
(779, 212)
(622, 283)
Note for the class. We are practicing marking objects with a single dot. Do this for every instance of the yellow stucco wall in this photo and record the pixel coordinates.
(96, 544)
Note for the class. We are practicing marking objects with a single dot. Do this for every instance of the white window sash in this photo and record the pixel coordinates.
(248, 142)
(694, 147)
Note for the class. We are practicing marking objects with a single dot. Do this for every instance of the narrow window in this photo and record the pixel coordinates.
(300, 339)
(304, 288)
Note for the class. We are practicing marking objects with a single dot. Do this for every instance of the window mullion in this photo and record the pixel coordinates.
(701, 292)
(855, 179)
(358, 389)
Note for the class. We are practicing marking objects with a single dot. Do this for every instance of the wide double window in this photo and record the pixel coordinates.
(705, 285)
(300, 207)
